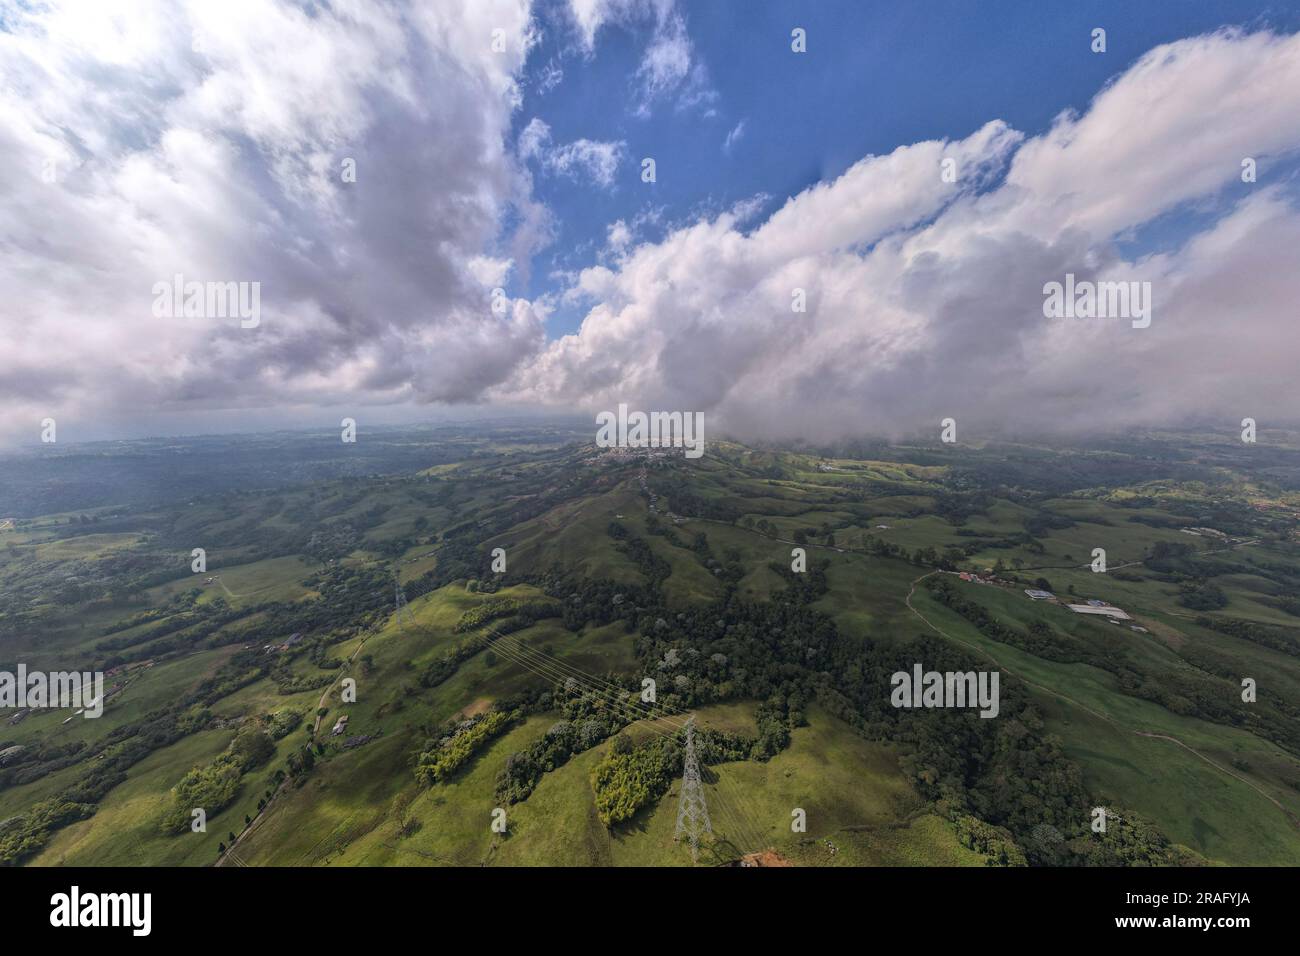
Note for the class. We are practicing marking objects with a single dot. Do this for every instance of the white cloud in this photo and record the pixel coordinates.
(550, 76)
(208, 140)
(589, 16)
(733, 137)
(668, 68)
(580, 159)
(925, 297)
(534, 139)
(667, 58)
(619, 236)
(489, 272)
(598, 160)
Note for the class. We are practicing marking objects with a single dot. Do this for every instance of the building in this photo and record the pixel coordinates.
(1038, 595)
(1104, 610)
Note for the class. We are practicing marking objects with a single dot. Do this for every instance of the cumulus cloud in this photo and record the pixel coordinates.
(150, 138)
(619, 236)
(925, 297)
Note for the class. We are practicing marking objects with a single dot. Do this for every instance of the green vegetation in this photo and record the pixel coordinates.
(209, 788)
(28, 833)
(525, 690)
(451, 753)
(631, 777)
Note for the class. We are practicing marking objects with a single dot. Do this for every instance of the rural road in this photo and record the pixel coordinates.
(229, 854)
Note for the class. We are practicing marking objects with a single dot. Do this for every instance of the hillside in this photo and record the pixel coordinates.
(517, 692)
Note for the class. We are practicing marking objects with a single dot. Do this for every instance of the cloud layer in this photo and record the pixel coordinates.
(148, 138)
(925, 298)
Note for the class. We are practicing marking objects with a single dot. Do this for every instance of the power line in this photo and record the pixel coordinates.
(623, 709)
(739, 822)
(667, 715)
(553, 669)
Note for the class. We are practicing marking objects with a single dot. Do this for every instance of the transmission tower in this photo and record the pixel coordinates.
(402, 609)
(692, 814)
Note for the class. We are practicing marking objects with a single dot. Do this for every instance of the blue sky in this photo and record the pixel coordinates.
(876, 76)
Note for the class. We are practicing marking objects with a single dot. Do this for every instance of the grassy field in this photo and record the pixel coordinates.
(1198, 805)
(67, 584)
(845, 785)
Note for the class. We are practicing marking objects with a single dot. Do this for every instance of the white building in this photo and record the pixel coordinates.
(1106, 611)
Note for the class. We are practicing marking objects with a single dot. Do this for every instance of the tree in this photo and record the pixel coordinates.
(252, 748)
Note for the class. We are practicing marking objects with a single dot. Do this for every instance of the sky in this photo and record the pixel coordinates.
(443, 209)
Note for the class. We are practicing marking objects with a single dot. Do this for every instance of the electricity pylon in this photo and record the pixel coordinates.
(692, 814)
